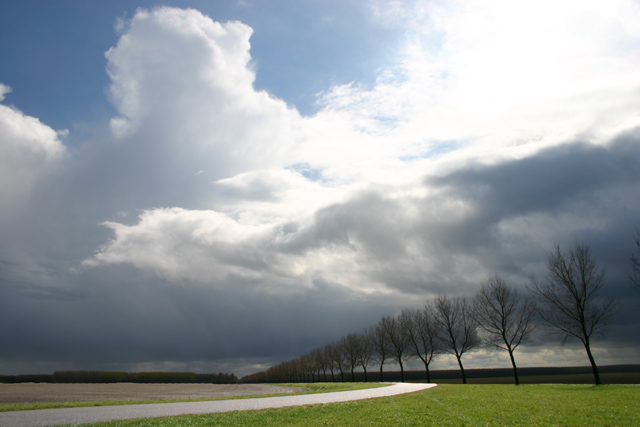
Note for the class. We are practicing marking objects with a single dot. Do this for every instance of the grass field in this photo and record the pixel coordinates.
(608, 378)
(446, 405)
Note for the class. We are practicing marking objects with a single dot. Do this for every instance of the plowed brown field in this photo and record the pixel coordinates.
(44, 392)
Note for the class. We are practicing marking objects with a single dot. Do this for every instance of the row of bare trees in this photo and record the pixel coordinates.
(567, 301)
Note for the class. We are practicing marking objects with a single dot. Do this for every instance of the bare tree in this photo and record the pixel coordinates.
(306, 367)
(568, 299)
(397, 340)
(634, 277)
(422, 333)
(338, 357)
(380, 346)
(458, 329)
(505, 317)
(328, 355)
(364, 350)
(349, 346)
(320, 361)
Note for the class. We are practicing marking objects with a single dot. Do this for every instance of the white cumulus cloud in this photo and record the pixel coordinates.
(184, 83)
(205, 246)
(27, 147)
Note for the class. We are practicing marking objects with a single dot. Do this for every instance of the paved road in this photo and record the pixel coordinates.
(56, 417)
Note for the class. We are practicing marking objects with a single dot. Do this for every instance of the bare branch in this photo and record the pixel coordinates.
(397, 339)
(421, 330)
(568, 300)
(458, 329)
(505, 317)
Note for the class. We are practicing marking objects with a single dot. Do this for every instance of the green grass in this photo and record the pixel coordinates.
(607, 378)
(445, 405)
(306, 388)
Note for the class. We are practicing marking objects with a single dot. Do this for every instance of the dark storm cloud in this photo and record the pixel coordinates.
(488, 219)
(549, 181)
(126, 317)
(565, 186)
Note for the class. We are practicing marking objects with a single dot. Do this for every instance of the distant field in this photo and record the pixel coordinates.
(28, 396)
(445, 405)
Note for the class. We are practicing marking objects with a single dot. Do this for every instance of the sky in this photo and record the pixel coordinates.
(220, 186)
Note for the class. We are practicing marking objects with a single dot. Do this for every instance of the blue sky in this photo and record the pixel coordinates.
(216, 186)
(57, 65)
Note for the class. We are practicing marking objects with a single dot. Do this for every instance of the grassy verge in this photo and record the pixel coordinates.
(305, 389)
(445, 405)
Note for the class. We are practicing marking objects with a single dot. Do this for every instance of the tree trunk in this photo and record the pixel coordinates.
(365, 374)
(426, 368)
(352, 377)
(593, 362)
(401, 372)
(464, 378)
(381, 377)
(515, 370)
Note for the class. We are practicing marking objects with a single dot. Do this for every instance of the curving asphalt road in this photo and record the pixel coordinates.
(56, 417)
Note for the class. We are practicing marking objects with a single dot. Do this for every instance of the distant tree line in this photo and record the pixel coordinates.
(117, 377)
(543, 374)
(567, 302)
